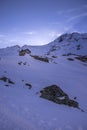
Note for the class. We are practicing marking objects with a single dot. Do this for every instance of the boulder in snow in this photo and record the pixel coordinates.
(56, 94)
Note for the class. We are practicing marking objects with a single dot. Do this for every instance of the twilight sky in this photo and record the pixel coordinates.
(37, 22)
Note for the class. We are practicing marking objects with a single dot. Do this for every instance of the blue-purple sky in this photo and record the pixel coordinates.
(37, 22)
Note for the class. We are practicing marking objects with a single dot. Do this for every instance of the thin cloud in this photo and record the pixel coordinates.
(54, 34)
(72, 20)
(72, 10)
(76, 9)
(76, 17)
(30, 32)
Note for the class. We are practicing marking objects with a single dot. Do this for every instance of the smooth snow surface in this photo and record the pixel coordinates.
(22, 108)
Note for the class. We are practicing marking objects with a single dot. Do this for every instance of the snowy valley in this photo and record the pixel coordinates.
(45, 87)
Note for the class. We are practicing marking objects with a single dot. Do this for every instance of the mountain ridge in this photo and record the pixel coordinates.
(44, 87)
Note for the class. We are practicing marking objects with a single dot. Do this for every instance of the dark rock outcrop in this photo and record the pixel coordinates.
(24, 52)
(29, 85)
(54, 56)
(78, 47)
(5, 79)
(82, 58)
(70, 59)
(55, 93)
(44, 59)
(20, 62)
(68, 54)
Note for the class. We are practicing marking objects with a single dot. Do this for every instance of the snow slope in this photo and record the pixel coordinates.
(22, 108)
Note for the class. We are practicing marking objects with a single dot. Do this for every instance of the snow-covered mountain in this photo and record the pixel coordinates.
(31, 74)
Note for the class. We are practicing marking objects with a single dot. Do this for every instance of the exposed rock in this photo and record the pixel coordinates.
(5, 71)
(82, 58)
(24, 52)
(20, 62)
(5, 79)
(55, 62)
(24, 63)
(75, 98)
(54, 56)
(68, 54)
(55, 93)
(52, 49)
(78, 47)
(70, 59)
(22, 80)
(29, 85)
(60, 39)
(85, 65)
(6, 85)
(10, 82)
(44, 59)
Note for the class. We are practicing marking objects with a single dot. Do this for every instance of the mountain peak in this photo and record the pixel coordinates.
(75, 36)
